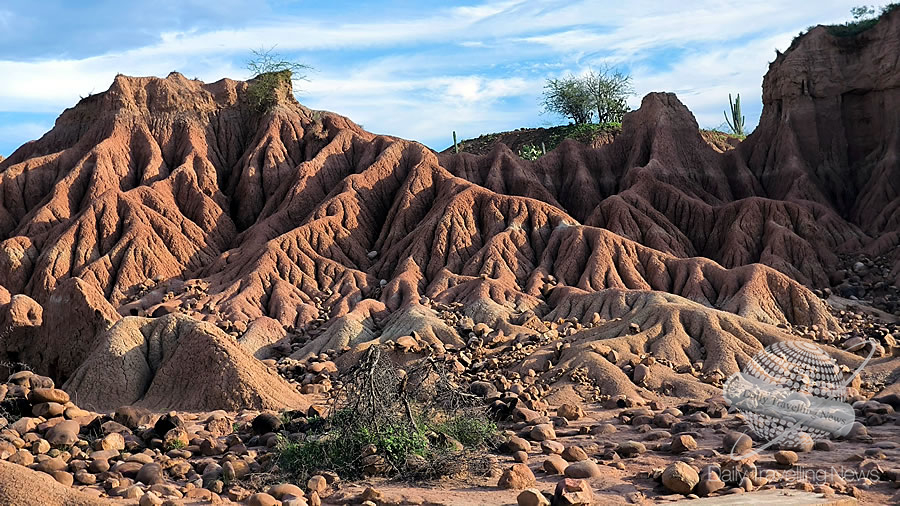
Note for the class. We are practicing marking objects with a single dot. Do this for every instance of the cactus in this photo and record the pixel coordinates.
(543, 149)
(455, 145)
(736, 122)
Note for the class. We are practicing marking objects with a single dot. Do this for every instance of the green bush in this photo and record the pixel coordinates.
(530, 152)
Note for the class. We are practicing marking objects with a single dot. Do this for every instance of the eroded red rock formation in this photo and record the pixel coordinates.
(171, 195)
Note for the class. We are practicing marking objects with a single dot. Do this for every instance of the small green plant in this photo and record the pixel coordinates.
(736, 122)
(175, 444)
(470, 431)
(271, 73)
(530, 152)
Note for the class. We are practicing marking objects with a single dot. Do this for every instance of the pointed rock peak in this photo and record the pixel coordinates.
(661, 111)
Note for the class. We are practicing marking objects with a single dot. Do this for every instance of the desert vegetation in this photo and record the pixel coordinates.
(270, 73)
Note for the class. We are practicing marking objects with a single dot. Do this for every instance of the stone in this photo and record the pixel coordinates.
(51, 465)
(555, 464)
(680, 478)
(133, 492)
(150, 499)
(483, 389)
(786, 457)
(210, 446)
(603, 429)
(583, 469)
(48, 409)
(167, 422)
(520, 457)
(570, 412)
(683, 443)
(98, 466)
(39, 395)
(132, 417)
(574, 454)
(327, 367)
(150, 474)
(317, 483)
(219, 425)
(531, 497)
(542, 432)
(64, 433)
(285, 489)
(21, 457)
(631, 449)
(112, 441)
(515, 444)
(24, 425)
(709, 485)
(63, 478)
(40, 446)
(85, 478)
(517, 477)
(176, 438)
(824, 445)
(801, 442)
(734, 471)
(552, 447)
(265, 423)
(736, 443)
(641, 374)
(571, 492)
(235, 470)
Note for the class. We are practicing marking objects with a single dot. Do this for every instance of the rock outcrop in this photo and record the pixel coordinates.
(173, 196)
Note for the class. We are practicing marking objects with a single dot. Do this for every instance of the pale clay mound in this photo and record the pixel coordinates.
(175, 361)
(20, 485)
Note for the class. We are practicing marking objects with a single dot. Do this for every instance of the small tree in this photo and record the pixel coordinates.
(609, 88)
(570, 97)
(579, 97)
(862, 12)
(270, 71)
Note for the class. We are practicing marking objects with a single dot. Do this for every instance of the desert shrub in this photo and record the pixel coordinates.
(530, 152)
(584, 133)
(864, 18)
(385, 422)
(270, 73)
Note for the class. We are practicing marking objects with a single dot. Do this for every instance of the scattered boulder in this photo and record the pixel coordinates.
(680, 478)
(531, 497)
(517, 476)
(572, 492)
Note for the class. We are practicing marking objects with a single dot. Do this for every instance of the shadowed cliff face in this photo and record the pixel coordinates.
(171, 195)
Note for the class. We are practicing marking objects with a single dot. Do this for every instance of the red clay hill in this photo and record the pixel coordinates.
(166, 196)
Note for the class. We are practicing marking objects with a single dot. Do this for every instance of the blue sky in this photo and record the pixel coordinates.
(415, 69)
